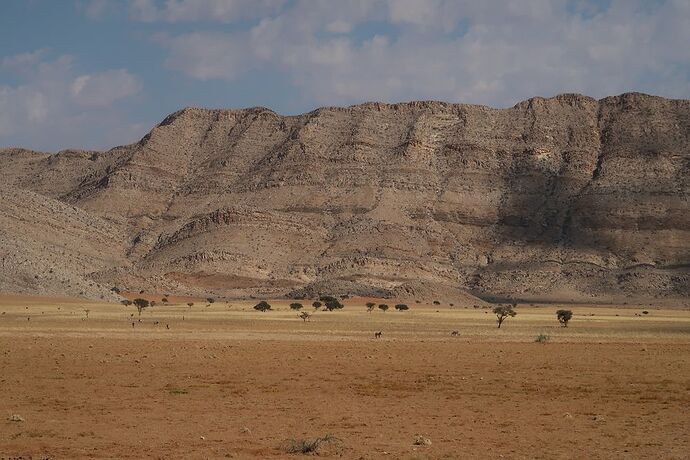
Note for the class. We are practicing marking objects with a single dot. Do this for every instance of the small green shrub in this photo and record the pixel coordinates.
(178, 391)
(542, 338)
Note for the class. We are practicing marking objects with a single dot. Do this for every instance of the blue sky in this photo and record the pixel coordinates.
(99, 73)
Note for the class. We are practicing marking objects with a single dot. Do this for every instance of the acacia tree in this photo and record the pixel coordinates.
(316, 305)
(502, 312)
(333, 304)
(141, 304)
(370, 306)
(262, 306)
(327, 298)
(383, 307)
(305, 316)
(401, 307)
(564, 316)
(296, 306)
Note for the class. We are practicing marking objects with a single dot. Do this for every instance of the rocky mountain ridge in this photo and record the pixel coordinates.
(565, 198)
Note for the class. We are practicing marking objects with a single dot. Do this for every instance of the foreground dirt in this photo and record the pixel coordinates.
(226, 381)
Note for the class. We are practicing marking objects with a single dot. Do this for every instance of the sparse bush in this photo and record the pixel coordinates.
(401, 307)
(141, 304)
(316, 305)
(370, 306)
(307, 446)
(383, 307)
(190, 304)
(564, 316)
(296, 306)
(436, 302)
(210, 300)
(542, 338)
(262, 306)
(178, 391)
(164, 300)
(502, 312)
(645, 312)
(126, 302)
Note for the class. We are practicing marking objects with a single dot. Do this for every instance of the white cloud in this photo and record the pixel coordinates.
(339, 27)
(102, 89)
(504, 52)
(53, 106)
(210, 55)
(94, 9)
(202, 10)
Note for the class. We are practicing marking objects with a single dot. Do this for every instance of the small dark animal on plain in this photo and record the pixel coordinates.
(377, 335)
(455, 333)
(167, 326)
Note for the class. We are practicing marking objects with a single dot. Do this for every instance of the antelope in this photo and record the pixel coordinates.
(377, 335)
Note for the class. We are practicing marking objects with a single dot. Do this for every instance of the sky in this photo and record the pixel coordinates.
(95, 74)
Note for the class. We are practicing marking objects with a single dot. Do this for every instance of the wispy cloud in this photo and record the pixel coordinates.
(202, 10)
(489, 52)
(53, 103)
(149, 57)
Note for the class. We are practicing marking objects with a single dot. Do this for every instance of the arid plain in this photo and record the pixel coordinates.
(227, 381)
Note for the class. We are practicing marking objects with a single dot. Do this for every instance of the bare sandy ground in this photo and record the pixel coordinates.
(225, 381)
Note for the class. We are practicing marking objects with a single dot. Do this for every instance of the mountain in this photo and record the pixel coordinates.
(565, 198)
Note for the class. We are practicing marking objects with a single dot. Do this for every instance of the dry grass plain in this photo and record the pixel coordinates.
(225, 381)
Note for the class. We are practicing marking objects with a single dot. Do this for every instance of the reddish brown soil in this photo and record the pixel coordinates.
(98, 389)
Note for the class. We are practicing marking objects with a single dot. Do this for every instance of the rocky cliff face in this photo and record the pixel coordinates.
(567, 198)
